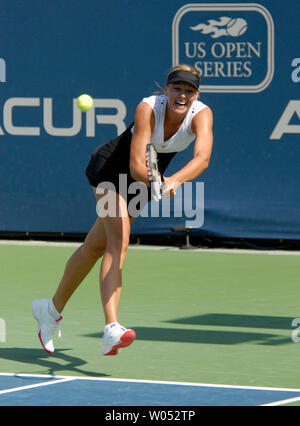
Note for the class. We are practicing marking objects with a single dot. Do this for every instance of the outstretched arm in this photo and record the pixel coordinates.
(143, 125)
(202, 126)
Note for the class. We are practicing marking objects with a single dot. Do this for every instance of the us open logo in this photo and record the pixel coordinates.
(231, 45)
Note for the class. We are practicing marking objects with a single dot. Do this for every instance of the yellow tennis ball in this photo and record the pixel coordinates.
(85, 102)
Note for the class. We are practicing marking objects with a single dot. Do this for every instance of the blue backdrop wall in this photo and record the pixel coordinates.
(249, 58)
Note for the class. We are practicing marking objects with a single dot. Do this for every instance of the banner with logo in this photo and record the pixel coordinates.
(119, 52)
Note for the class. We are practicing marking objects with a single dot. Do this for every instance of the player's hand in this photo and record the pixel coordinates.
(169, 187)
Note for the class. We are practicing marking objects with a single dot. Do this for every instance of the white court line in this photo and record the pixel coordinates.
(162, 382)
(38, 243)
(163, 248)
(36, 385)
(282, 402)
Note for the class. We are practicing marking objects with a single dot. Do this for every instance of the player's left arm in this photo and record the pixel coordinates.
(202, 126)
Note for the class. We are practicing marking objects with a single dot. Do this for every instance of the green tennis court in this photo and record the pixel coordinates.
(200, 316)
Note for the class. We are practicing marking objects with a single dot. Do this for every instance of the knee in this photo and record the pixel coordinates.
(93, 251)
(118, 245)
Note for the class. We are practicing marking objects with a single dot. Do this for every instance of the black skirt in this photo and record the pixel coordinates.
(110, 163)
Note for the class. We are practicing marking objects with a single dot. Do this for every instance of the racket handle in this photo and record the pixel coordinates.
(156, 191)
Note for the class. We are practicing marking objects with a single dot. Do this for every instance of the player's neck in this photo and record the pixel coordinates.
(171, 124)
(173, 118)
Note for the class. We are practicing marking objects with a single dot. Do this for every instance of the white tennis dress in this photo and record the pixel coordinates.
(183, 137)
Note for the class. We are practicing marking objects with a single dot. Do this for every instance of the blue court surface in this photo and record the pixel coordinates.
(35, 390)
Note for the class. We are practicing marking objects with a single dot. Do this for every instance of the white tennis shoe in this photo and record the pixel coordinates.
(48, 321)
(116, 337)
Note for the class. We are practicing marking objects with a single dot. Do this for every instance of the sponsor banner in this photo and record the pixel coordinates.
(248, 56)
(232, 45)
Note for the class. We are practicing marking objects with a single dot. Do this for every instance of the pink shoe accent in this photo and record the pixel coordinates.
(49, 352)
(126, 339)
(112, 352)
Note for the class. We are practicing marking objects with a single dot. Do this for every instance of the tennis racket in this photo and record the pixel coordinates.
(154, 175)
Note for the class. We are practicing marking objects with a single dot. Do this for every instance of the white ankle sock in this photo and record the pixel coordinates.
(112, 324)
(52, 310)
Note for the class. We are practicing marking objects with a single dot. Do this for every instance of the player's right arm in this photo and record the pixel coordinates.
(143, 126)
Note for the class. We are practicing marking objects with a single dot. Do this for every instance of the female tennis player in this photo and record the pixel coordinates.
(170, 122)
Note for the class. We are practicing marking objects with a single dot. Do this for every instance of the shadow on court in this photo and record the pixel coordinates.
(237, 320)
(56, 363)
(216, 337)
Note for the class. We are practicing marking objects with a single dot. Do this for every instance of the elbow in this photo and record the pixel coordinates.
(205, 163)
(133, 170)
(203, 159)
(133, 173)
(137, 174)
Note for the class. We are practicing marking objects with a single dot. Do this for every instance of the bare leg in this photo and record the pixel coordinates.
(117, 229)
(80, 264)
(85, 257)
